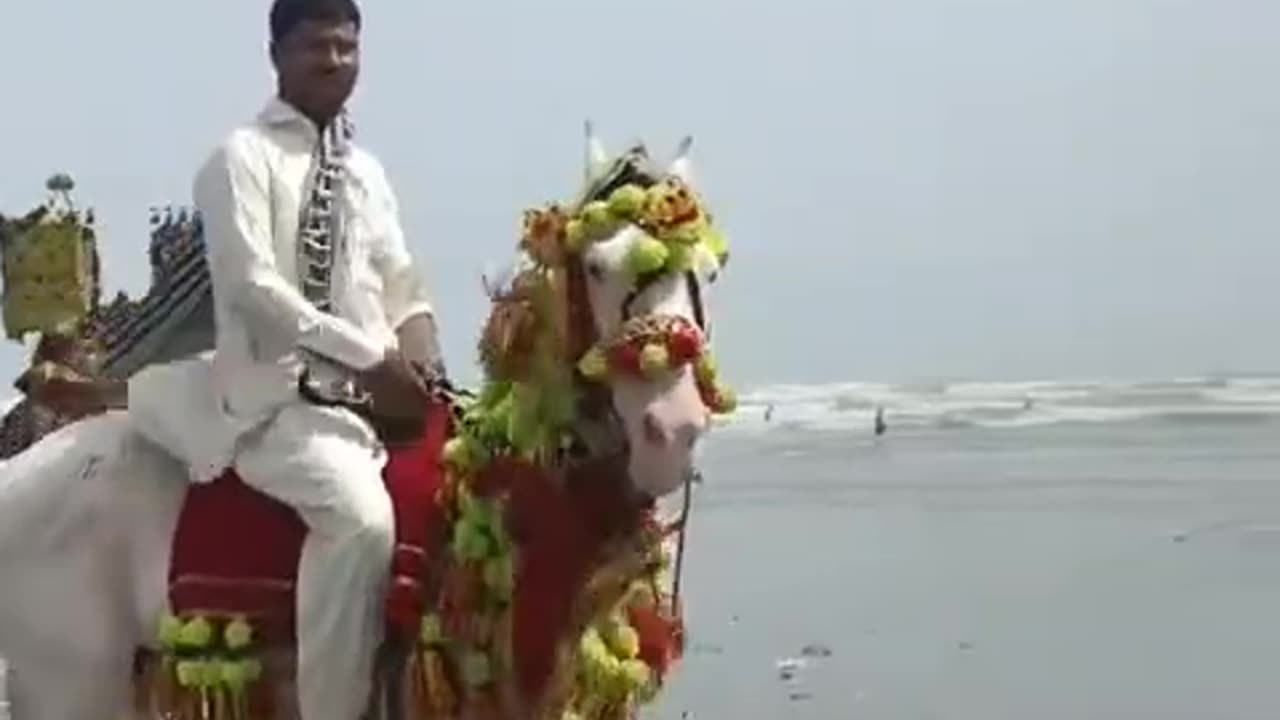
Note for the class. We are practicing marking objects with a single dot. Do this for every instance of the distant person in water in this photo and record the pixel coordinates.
(768, 413)
(881, 425)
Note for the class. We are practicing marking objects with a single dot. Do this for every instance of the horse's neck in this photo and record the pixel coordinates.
(566, 524)
(599, 438)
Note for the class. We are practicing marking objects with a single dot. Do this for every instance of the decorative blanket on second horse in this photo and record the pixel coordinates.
(236, 550)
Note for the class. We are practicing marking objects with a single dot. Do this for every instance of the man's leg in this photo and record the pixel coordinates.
(327, 466)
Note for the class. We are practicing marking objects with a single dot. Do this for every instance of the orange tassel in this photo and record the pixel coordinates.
(414, 694)
(439, 688)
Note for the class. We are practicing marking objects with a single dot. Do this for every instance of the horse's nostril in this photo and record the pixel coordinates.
(653, 431)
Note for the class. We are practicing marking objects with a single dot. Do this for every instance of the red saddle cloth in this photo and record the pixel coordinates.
(236, 550)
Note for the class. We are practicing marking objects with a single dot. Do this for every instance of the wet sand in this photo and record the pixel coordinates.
(1010, 578)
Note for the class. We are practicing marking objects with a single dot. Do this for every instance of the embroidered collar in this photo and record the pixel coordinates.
(279, 113)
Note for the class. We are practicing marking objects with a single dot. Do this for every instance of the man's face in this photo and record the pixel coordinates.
(318, 62)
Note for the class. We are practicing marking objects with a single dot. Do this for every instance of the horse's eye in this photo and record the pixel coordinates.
(595, 269)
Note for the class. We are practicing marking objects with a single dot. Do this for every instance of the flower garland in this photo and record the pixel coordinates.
(670, 215)
(622, 657)
(526, 410)
(651, 345)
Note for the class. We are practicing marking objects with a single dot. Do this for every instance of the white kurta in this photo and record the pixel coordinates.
(241, 406)
(250, 194)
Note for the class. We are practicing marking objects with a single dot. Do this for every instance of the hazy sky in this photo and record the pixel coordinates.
(913, 188)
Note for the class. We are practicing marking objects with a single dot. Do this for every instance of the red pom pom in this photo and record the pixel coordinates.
(684, 343)
(404, 605)
(661, 638)
(626, 358)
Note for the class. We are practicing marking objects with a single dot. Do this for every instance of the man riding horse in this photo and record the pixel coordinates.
(319, 309)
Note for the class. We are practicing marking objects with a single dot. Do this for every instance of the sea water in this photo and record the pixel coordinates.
(1096, 550)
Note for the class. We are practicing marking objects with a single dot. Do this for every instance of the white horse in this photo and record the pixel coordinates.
(87, 515)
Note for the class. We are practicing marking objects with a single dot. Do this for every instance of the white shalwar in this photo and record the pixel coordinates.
(241, 406)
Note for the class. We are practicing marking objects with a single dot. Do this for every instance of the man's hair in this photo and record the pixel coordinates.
(288, 14)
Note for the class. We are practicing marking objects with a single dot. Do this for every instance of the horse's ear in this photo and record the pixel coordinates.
(597, 158)
(682, 165)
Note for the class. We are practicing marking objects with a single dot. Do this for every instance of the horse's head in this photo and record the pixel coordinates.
(649, 255)
(603, 334)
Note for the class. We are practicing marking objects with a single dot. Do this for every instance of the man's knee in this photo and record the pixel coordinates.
(324, 467)
(364, 514)
(373, 522)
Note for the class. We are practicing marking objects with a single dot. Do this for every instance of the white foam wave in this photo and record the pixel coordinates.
(853, 405)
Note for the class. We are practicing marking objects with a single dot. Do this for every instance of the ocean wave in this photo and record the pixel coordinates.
(852, 406)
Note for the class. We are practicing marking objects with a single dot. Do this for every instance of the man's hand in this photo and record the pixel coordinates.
(419, 342)
(398, 391)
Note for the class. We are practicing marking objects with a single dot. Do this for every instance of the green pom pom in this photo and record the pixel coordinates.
(211, 673)
(592, 646)
(726, 400)
(499, 575)
(233, 675)
(478, 545)
(484, 515)
(170, 632)
(252, 669)
(646, 255)
(716, 243)
(625, 641)
(522, 427)
(476, 669)
(491, 394)
(594, 365)
(470, 542)
(685, 235)
(597, 218)
(654, 359)
(680, 258)
(627, 201)
(575, 235)
(199, 673)
(455, 454)
(431, 632)
(495, 421)
(196, 633)
(189, 673)
(474, 453)
(635, 674)
(706, 368)
(238, 634)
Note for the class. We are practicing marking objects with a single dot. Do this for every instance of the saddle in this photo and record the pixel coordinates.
(236, 550)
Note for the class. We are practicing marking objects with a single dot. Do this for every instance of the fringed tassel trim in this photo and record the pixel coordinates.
(429, 689)
(166, 697)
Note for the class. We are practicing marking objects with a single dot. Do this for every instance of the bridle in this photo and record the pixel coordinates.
(692, 282)
(598, 397)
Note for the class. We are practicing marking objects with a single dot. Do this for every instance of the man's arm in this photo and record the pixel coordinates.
(419, 342)
(404, 291)
(231, 193)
